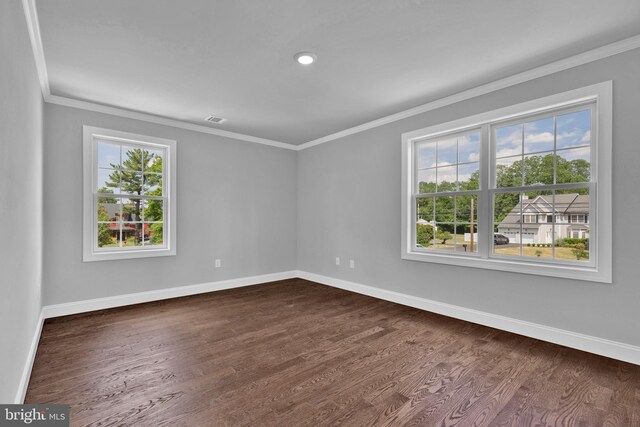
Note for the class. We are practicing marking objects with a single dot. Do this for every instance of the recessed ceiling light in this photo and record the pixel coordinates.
(305, 58)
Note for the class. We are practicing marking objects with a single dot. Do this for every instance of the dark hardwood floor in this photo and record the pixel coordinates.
(296, 353)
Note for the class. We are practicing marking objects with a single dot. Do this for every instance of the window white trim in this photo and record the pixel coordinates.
(90, 251)
(600, 270)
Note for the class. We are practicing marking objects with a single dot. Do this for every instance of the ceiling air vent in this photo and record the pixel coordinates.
(215, 120)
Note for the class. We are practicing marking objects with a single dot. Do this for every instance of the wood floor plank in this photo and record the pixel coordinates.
(296, 353)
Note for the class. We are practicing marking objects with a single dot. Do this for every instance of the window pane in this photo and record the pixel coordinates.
(573, 165)
(131, 182)
(538, 136)
(538, 169)
(574, 129)
(108, 155)
(108, 234)
(132, 210)
(469, 176)
(108, 209)
(132, 233)
(153, 160)
(444, 207)
(506, 224)
(447, 152)
(153, 234)
(132, 158)
(425, 208)
(108, 181)
(573, 224)
(465, 242)
(537, 234)
(153, 210)
(508, 141)
(509, 172)
(469, 148)
(467, 209)
(447, 177)
(426, 153)
(427, 181)
(152, 184)
(445, 237)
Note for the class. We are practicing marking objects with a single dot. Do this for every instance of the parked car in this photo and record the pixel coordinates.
(500, 239)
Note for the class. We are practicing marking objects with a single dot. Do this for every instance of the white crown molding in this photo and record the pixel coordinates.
(615, 350)
(33, 26)
(535, 73)
(28, 366)
(76, 307)
(545, 70)
(114, 111)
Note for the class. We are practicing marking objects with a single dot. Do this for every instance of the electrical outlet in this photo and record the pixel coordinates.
(352, 264)
(337, 260)
(218, 263)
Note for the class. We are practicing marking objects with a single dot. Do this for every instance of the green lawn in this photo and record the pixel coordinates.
(561, 253)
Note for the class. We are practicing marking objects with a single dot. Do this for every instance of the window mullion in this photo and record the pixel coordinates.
(484, 202)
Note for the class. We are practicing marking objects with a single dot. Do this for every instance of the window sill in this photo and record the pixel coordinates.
(587, 273)
(128, 254)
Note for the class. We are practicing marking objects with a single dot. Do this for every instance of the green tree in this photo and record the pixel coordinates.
(444, 236)
(424, 234)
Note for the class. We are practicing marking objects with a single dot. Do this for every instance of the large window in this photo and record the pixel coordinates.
(515, 189)
(129, 195)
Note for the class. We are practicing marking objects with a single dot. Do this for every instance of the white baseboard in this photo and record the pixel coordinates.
(591, 344)
(31, 357)
(160, 294)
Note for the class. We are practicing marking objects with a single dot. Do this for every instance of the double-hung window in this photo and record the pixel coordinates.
(526, 188)
(129, 195)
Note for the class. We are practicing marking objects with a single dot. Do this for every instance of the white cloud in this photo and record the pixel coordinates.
(586, 137)
(539, 137)
(506, 152)
(474, 157)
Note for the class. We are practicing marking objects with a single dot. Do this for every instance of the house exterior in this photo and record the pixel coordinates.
(571, 216)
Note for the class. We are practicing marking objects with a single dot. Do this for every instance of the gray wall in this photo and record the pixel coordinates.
(236, 202)
(349, 206)
(20, 197)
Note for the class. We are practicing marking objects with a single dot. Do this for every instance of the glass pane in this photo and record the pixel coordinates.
(132, 158)
(538, 136)
(573, 165)
(152, 184)
(469, 176)
(427, 181)
(108, 155)
(153, 234)
(573, 224)
(108, 235)
(469, 148)
(131, 182)
(447, 152)
(108, 209)
(444, 207)
(508, 141)
(574, 129)
(467, 209)
(426, 155)
(425, 209)
(153, 160)
(132, 210)
(506, 224)
(132, 233)
(153, 210)
(447, 177)
(509, 172)
(538, 169)
(108, 181)
(466, 239)
(537, 233)
(445, 237)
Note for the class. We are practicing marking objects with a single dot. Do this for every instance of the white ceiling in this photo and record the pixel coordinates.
(191, 58)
